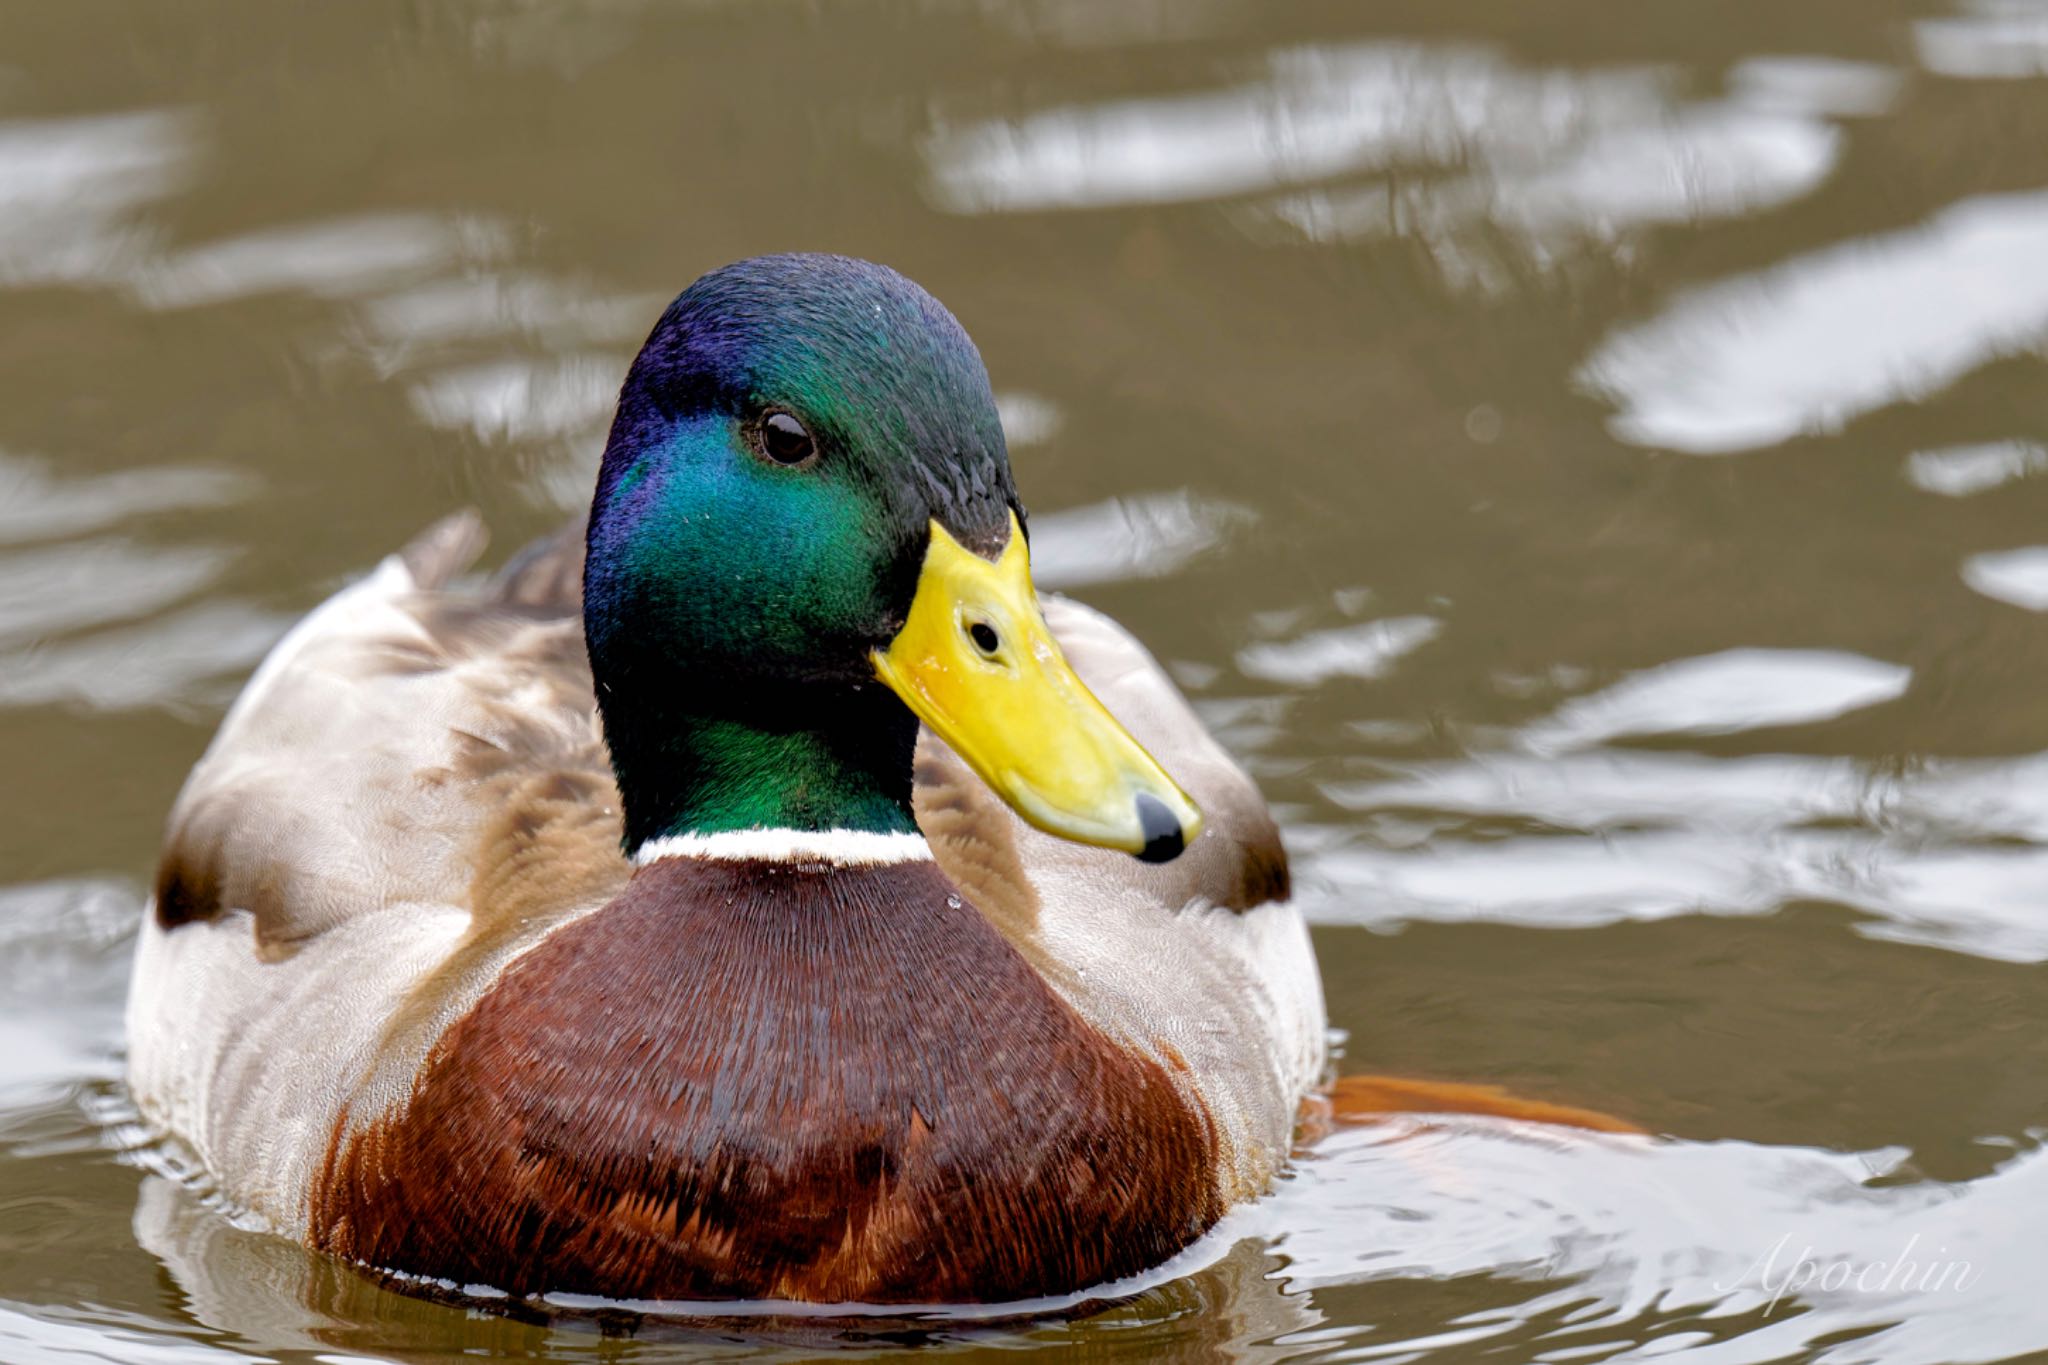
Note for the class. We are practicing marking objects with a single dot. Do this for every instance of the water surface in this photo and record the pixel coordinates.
(1586, 459)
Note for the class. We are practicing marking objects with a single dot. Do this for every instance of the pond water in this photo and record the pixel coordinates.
(1589, 460)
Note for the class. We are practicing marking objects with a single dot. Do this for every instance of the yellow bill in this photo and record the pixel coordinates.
(977, 664)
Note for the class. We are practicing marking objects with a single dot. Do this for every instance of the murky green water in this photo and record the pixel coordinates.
(1590, 460)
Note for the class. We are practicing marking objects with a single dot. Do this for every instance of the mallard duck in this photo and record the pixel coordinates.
(754, 892)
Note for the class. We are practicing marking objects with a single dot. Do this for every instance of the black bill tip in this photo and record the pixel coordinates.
(1163, 840)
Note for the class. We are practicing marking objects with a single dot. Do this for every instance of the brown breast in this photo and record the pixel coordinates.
(751, 1080)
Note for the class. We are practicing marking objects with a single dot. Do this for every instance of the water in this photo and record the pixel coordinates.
(1588, 460)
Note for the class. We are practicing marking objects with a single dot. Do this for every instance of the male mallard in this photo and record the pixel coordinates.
(861, 1011)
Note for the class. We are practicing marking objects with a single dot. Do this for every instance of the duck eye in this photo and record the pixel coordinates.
(785, 440)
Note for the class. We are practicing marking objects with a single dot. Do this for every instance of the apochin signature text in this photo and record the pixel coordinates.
(1911, 1271)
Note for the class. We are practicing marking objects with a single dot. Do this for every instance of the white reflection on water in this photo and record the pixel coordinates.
(1953, 854)
(1552, 156)
(1366, 650)
(508, 304)
(84, 583)
(1636, 1247)
(1146, 535)
(2019, 577)
(1961, 471)
(63, 966)
(1028, 419)
(1708, 161)
(1996, 40)
(71, 189)
(335, 258)
(559, 409)
(522, 400)
(195, 656)
(1810, 344)
(1718, 694)
(73, 192)
(37, 504)
(1317, 112)
(1815, 85)
(55, 1334)
(52, 597)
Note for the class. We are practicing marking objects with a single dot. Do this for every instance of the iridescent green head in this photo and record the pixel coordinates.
(794, 438)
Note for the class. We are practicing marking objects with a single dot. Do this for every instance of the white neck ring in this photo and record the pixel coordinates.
(848, 847)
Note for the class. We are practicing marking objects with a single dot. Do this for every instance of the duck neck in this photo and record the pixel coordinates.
(780, 757)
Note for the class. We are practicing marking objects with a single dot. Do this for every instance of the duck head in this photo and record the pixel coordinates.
(805, 540)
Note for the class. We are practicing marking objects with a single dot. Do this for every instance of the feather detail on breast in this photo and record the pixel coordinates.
(752, 1080)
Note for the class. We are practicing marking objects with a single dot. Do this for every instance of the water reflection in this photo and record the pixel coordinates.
(85, 583)
(191, 659)
(1719, 694)
(1550, 157)
(1713, 160)
(1947, 854)
(1963, 471)
(1150, 535)
(1366, 650)
(1318, 112)
(64, 949)
(1650, 1249)
(71, 191)
(1808, 346)
(340, 258)
(1808, 84)
(1995, 40)
(1029, 419)
(2016, 576)
(524, 401)
(38, 504)
(501, 305)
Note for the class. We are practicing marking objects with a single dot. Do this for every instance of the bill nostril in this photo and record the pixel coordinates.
(985, 638)
(1163, 838)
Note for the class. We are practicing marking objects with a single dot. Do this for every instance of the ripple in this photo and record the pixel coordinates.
(1318, 112)
(1369, 649)
(1962, 471)
(522, 400)
(1670, 1245)
(1809, 84)
(509, 304)
(1808, 345)
(1725, 693)
(1029, 419)
(2018, 577)
(1705, 162)
(65, 587)
(63, 971)
(1949, 855)
(1551, 156)
(335, 259)
(71, 191)
(35, 504)
(52, 1334)
(1997, 40)
(195, 656)
(1145, 535)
